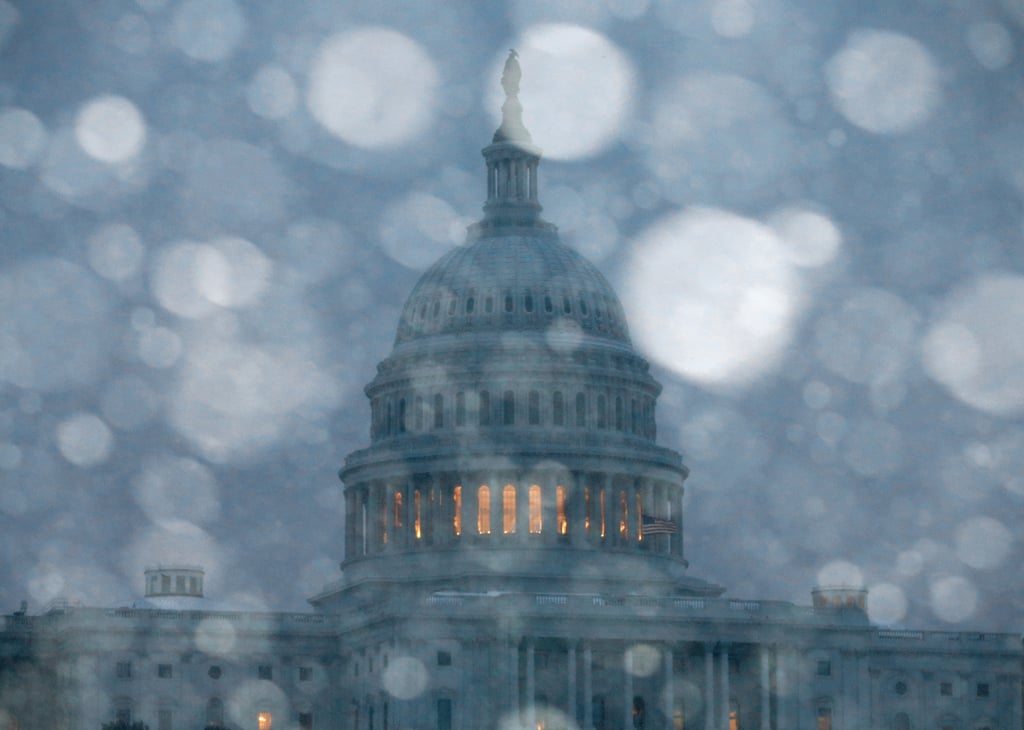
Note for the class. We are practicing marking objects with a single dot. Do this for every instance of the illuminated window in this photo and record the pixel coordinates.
(508, 509)
(417, 520)
(533, 408)
(457, 510)
(581, 410)
(264, 721)
(623, 516)
(558, 408)
(384, 521)
(824, 718)
(734, 716)
(586, 510)
(484, 411)
(483, 510)
(600, 507)
(639, 519)
(398, 509)
(535, 516)
(563, 523)
(678, 719)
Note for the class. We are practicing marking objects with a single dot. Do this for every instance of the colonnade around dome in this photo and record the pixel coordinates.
(615, 512)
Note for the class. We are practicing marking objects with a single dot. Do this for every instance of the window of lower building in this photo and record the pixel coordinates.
(558, 408)
(901, 721)
(265, 671)
(305, 721)
(563, 522)
(824, 668)
(533, 408)
(946, 689)
(444, 658)
(484, 408)
(164, 671)
(824, 718)
(438, 411)
(581, 410)
(417, 523)
(457, 510)
(623, 516)
(982, 689)
(444, 714)
(123, 710)
(305, 674)
(214, 711)
(164, 720)
(214, 672)
(124, 670)
(264, 721)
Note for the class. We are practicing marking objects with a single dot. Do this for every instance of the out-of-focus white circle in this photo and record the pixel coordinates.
(712, 295)
(405, 677)
(576, 92)
(991, 43)
(178, 276)
(215, 636)
(116, 251)
(243, 280)
(373, 87)
(953, 598)
(642, 660)
(983, 542)
(732, 18)
(177, 488)
(810, 238)
(272, 93)
(884, 82)
(976, 348)
(84, 439)
(840, 574)
(417, 229)
(110, 129)
(887, 604)
(22, 138)
(208, 30)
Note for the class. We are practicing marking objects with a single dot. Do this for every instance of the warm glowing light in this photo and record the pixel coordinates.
(264, 721)
(623, 516)
(483, 510)
(535, 514)
(416, 520)
(563, 523)
(600, 498)
(384, 522)
(508, 507)
(586, 510)
(457, 510)
(639, 519)
(398, 509)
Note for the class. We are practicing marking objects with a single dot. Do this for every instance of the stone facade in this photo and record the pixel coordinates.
(514, 555)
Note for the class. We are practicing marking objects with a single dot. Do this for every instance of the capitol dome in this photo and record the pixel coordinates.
(513, 440)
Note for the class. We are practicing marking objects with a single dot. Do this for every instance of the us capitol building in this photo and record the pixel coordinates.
(514, 555)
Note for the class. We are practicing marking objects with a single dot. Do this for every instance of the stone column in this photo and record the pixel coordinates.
(497, 505)
(469, 511)
(531, 688)
(523, 510)
(724, 673)
(588, 687)
(709, 686)
(577, 511)
(549, 515)
(677, 504)
(627, 687)
(570, 708)
(668, 699)
(766, 698)
(410, 514)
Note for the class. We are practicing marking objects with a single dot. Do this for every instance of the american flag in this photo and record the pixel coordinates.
(658, 526)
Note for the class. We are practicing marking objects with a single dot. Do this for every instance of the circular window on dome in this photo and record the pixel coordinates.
(214, 672)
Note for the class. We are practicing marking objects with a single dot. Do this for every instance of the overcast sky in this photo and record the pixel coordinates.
(212, 210)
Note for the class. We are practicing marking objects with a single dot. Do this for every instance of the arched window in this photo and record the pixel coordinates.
(824, 716)
(901, 721)
(528, 302)
(623, 516)
(452, 304)
(619, 420)
(549, 307)
(438, 410)
(470, 302)
(508, 510)
(639, 518)
(417, 523)
(734, 715)
(460, 409)
(583, 306)
(581, 410)
(535, 514)
(388, 419)
(382, 521)
(484, 408)
(401, 415)
(602, 412)
(214, 711)
(558, 408)
(508, 408)
(566, 305)
(483, 510)
(533, 407)
(563, 522)
(457, 510)
(587, 507)
(510, 302)
(398, 510)
(418, 413)
(489, 305)
(437, 308)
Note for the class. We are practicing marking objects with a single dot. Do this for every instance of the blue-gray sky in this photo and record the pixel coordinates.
(212, 211)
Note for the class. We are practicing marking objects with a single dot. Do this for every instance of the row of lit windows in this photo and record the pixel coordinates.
(214, 716)
(510, 302)
(603, 512)
(391, 418)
